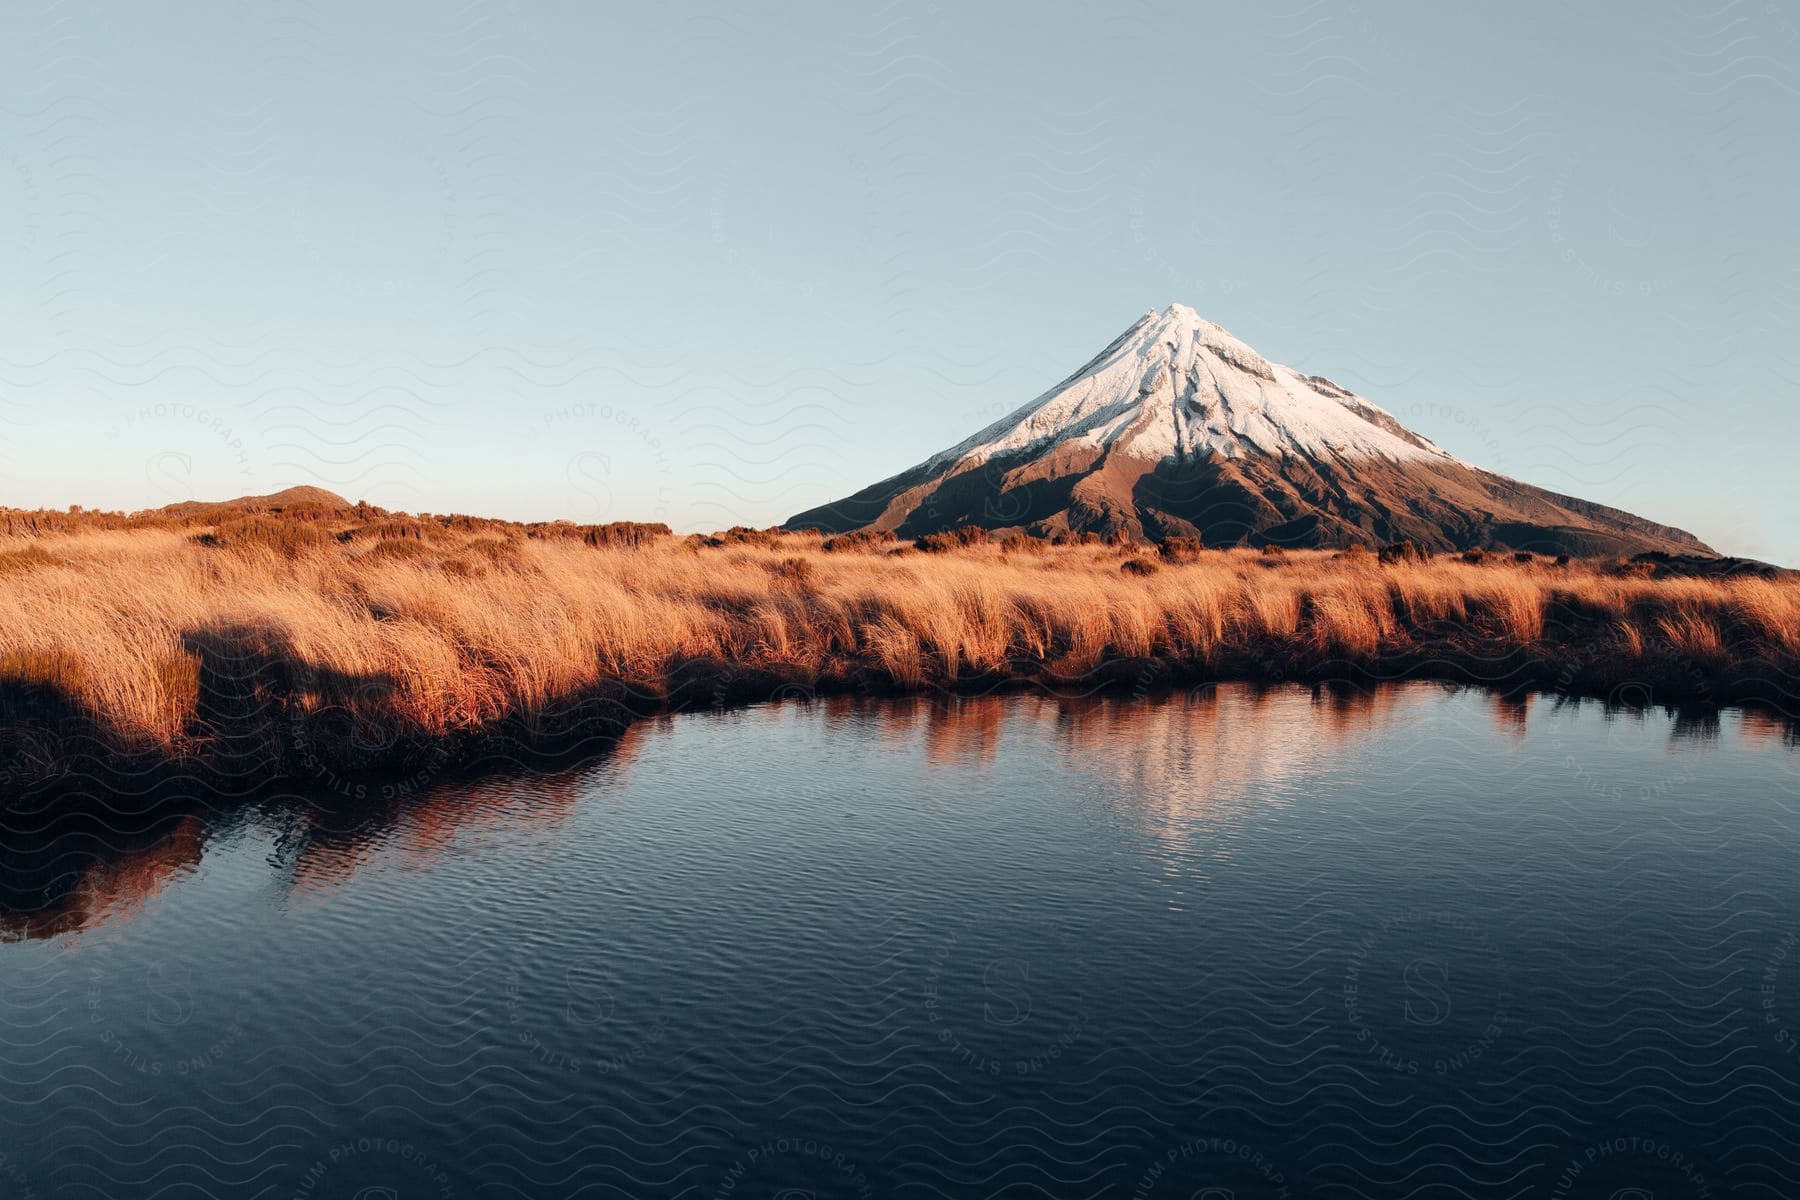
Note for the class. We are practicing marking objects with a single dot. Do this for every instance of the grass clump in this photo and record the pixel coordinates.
(266, 533)
(397, 549)
(30, 557)
(798, 570)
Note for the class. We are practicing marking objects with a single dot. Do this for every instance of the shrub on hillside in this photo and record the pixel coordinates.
(1179, 549)
(631, 534)
(1403, 552)
(553, 531)
(464, 523)
(744, 535)
(1139, 566)
(737, 535)
(1021, 543)
(953, 539)
(858, 539)
(18, 522)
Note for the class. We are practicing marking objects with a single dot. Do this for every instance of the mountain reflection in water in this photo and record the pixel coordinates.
(1190, 763)
(1266, 941)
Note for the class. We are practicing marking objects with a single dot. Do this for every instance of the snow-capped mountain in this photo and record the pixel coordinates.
(1178, 428)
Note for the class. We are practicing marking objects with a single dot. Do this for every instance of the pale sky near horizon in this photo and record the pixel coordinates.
(715, 264)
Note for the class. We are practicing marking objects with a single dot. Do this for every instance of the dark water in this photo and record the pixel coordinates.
(1415, 943)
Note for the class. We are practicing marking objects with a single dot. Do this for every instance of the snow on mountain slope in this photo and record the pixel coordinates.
(1178, 427)
(1177, 386)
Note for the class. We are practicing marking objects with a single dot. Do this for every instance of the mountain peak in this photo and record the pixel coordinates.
(1179, 428)
(1175, 385)
(1179, 318)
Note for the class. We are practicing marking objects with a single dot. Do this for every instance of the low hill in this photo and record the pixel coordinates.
(305, 497)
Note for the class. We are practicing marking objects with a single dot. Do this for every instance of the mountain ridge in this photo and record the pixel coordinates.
(1178, 428)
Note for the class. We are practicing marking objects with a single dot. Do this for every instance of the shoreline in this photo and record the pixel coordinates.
(357, 651)
(584, 728)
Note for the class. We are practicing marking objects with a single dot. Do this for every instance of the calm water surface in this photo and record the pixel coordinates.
(1233, 944)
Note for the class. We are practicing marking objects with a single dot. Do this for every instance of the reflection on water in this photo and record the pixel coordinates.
(1191, 757)
(83, 866)
(64, 878)
(1188, 766)
(1239, 942)
(327, 844)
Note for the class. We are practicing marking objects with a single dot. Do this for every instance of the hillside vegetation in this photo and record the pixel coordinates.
(334, 639)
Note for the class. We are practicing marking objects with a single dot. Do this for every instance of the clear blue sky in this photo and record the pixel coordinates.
(719, 263)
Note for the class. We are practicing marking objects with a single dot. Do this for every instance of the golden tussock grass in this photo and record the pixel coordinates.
(170, 640)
